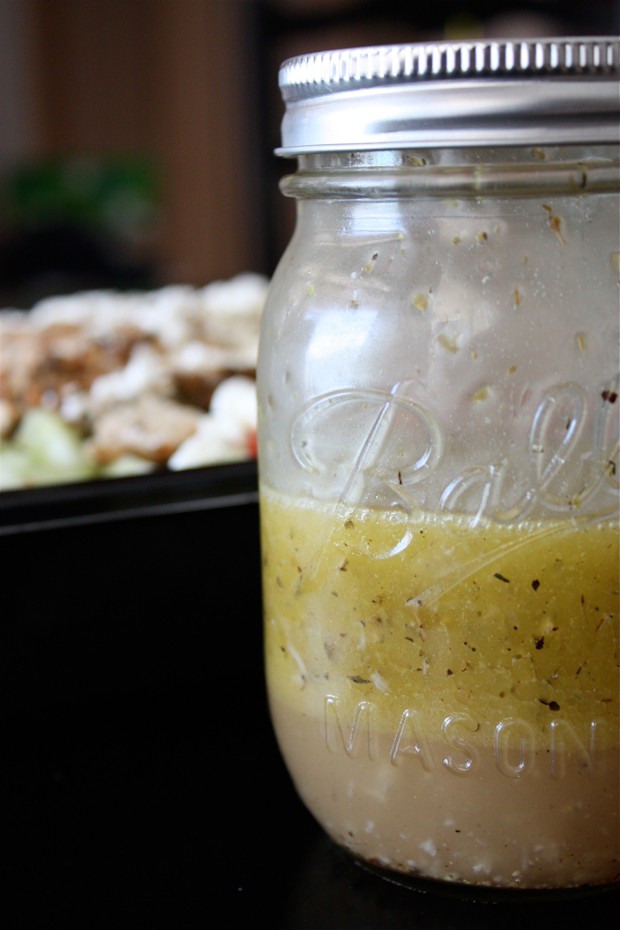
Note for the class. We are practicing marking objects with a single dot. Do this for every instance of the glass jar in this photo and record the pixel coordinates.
(438, 459)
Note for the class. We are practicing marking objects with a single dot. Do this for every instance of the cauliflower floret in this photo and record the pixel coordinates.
(227, 433)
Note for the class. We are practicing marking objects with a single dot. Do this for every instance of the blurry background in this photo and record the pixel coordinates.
(137, 135)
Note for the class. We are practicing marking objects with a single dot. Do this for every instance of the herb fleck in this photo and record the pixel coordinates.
(552, 705)
(447, 343)
(554, 222)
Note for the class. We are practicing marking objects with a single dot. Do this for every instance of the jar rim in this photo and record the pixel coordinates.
(549, 91)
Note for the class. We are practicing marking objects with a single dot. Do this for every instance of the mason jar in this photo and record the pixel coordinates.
(438, 459)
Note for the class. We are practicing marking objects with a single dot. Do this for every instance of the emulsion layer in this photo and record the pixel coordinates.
(446, 695)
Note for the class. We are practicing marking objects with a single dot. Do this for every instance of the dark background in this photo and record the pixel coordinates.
(137, 135)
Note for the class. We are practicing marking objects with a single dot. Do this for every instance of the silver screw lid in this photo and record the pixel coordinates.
(548, 91)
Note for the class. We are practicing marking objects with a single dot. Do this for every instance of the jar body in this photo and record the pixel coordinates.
(438, 442)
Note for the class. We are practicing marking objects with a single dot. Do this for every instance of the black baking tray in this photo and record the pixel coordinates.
(119, 584)
(101, 500)
(142, 783)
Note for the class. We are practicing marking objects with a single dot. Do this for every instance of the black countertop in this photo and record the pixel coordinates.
(142, 783)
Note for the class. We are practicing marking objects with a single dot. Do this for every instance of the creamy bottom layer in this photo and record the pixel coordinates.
(432, 813)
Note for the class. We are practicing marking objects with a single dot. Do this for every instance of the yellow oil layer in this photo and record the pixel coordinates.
(436, 615)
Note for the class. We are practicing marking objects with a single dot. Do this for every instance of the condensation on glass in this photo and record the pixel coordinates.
(438, 459)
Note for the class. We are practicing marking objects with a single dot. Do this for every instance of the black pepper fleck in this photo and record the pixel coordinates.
(552, 705)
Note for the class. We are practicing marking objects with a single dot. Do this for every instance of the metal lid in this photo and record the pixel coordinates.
(479, 92)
